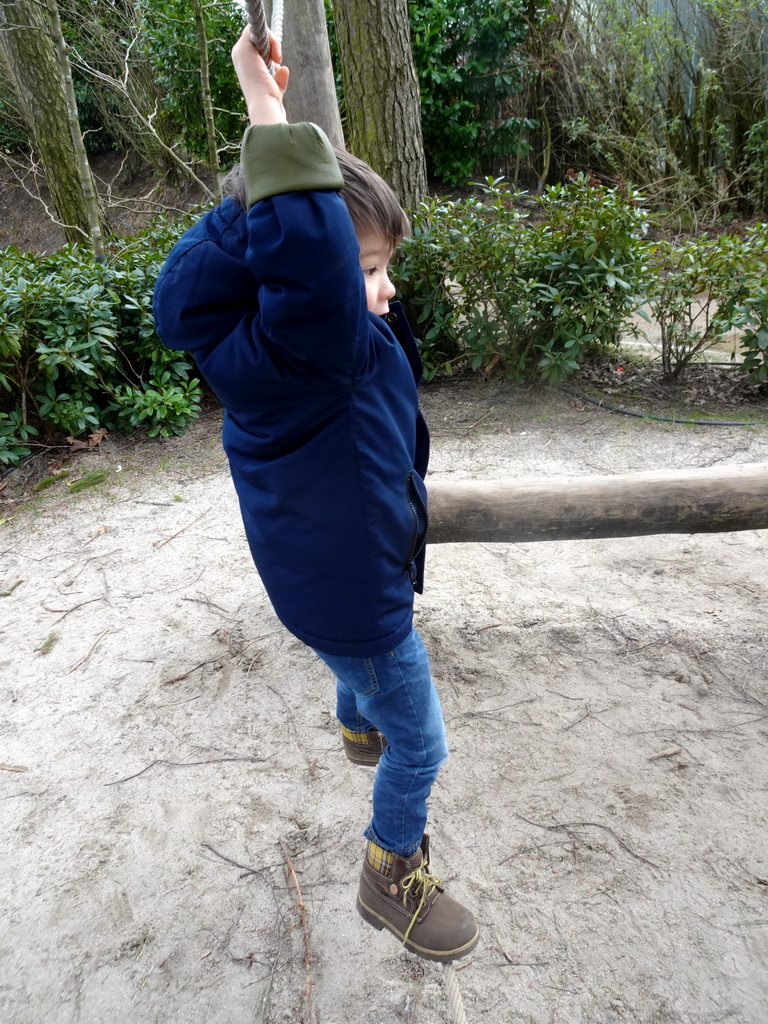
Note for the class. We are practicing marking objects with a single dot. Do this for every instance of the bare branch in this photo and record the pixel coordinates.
(146, 121)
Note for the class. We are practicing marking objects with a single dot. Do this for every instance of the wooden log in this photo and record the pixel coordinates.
(577, 508)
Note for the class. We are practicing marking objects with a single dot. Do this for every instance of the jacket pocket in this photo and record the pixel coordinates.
(416, 493)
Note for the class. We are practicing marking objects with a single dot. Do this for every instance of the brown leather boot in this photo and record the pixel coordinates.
(399, 893)
(363, 747)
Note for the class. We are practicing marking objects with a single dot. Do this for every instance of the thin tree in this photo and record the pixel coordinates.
(205, 88)
(38, 80)
(90, 196)
(382, 92)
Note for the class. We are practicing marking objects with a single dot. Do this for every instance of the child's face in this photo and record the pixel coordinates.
(375, 254)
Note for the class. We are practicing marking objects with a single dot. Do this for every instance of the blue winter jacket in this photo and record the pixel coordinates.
(326, 444)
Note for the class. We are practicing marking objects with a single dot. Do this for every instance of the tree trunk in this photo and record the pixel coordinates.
(311, 94)
(28, 55)
(583, 508)
(96, 223)
(382, 92)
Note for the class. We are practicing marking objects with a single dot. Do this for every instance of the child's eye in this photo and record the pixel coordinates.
(370, 271)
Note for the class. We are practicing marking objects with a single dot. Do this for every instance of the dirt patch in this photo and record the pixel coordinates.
(168, 751)
(706, 391)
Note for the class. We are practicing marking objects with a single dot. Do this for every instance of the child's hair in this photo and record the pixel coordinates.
(372, 204)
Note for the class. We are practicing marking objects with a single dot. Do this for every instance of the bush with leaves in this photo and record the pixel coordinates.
(13, 437)
(488, 291)
(137, 72)
(470, 62)
(670, 95)
(79, 350)
(169, 42)
(751, 308)
(704, 288)
(753, 320)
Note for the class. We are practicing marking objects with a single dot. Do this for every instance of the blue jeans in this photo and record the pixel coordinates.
(394, 693)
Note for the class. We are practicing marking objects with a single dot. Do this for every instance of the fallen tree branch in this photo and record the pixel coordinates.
(565, 825)
(291, 872)
(161, 543)
(90, 651)
(243, 867)
(184, 764)
(184, 675)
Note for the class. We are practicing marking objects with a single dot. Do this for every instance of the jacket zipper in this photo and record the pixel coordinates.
(416, 505)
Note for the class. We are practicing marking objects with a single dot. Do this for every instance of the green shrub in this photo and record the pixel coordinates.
(755, 164)
(486, 290)
(471, 64)
(705, 288)
(169, 43)
(78, 346)
(165, 406)
(755, 343)
(13, 434)
(669, 94)
(751, 308)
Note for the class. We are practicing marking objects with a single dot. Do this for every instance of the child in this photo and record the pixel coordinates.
(284, 300)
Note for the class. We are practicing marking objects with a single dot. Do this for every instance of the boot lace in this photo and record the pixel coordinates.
(419, 884)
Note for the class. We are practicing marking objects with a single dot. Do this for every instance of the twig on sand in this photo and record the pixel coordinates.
(250, 959)
(563, 826)
(484, 416)
(750, 698)
(85, 562)
(207, 602)
(291, 721)
(291, 872)
(510, 962)
(183, 764)
(243, 867)
(177, 679)
(492, 625)
(66, 611)
(749, 721)
(588, 713)
(90, 651)
(160, 543)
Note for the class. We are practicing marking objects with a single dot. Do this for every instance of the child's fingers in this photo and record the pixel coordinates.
(263, 93)
(241, 46)
(249, 64)
(281, 77)
(244, 53)
(276, 50)
(245, 37)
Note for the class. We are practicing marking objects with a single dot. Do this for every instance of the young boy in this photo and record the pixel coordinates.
(284, 299)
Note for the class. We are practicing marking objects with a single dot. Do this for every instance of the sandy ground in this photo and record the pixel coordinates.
(170, 757)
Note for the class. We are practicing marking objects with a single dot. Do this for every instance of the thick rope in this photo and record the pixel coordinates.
(258, 22)
(454, 994)
(277, 20)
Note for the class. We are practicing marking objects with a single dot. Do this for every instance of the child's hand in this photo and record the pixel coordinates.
(263, 94)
